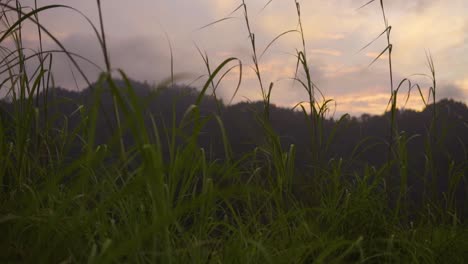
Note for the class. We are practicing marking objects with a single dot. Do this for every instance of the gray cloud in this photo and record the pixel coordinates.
(65, 74)
(452, 91)
(413, 5)
(137, 44)
(141, 58)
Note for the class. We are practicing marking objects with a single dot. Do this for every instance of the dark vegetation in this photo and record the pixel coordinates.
(359, 141)
(126, 172)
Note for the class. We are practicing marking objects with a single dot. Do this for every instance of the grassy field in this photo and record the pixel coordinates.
(117, 202)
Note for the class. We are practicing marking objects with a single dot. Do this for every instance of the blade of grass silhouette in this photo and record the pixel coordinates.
(33, 74)
(370, 43)
(421, 95)
(228, 17)
(303, 84)
(207, 83)
(266, 5)
(110, 81)
(430, 63)
(215, 86)
(383, 13)
(378, 57)
(392, 93)
(267, 110)
(41, 61)
(254, 51)
(238, 83)
(215, 22)
(225, 139)
(73, 76)
(334, 131)
(206, 61)
(366, 4)
(323, 108)
(236, 9)
(103, 38)
(30, 16)
(195, 80)
(411, 86)
(314, 117)
(298, 105)
(275, 39)
(302, 62)
(6, 61)
(239, 79)
(169, 43)
(201, 221)
(47, 52)
(299, 21)
(381, 6)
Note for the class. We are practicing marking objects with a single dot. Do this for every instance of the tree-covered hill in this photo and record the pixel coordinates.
(358, 141)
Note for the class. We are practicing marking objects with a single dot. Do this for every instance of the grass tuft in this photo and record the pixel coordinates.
(67, 197)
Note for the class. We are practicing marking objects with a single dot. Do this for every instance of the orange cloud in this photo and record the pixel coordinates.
(374, 55)
(329, 52)
(376, 103)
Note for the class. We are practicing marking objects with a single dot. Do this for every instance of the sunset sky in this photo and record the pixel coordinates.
(335, 31)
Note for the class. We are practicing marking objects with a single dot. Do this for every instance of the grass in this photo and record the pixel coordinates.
(145, 207)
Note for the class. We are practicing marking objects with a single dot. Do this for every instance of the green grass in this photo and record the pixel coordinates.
(142, 207)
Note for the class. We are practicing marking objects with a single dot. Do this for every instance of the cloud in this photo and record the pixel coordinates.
(335, 31)
(355, 104)
(328, 52)
(453, 91)
(141, 57)
(375, 55)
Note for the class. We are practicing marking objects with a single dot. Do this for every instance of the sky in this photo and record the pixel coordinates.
(139, 32)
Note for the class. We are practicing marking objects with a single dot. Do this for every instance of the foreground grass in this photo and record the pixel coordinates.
(140, 205)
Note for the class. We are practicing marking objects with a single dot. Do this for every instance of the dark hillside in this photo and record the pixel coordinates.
(359, 142)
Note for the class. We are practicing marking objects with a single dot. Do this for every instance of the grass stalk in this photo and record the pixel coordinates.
(166, 198)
